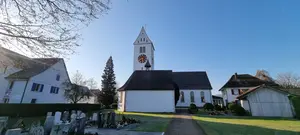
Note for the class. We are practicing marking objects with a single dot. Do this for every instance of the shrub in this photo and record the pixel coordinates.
(218, 108)
(114, 106)
(239, 111)
(296, 103)
(193, 109)
(28, 110)
(232, 106)
(208, 106)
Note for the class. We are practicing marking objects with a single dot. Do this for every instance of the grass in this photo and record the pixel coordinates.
(248, 125)
(150, 122)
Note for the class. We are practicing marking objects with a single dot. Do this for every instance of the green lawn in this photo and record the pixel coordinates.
(248, 125)
(150, 122)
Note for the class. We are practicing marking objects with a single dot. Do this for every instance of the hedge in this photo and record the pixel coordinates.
(29, 110)
(296, 103)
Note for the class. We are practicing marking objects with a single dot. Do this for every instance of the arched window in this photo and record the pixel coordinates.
(182, 96)
(202, 97)
(192, 96)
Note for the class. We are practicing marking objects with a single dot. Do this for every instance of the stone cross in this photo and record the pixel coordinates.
(57, 117)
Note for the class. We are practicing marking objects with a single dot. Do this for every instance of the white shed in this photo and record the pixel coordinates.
(266, 101)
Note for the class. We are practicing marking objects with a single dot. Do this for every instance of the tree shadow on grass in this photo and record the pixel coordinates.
(248, 117)
(150, 122)
(219, 128)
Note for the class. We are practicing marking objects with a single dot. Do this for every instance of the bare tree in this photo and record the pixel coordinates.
(264, 75)
(91, 83)
(46, 27)
(77, 90)
(288, 80)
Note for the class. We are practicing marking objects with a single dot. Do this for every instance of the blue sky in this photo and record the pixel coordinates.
(217, 36)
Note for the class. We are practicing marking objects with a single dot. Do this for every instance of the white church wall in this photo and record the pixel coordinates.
(150, 101)
(121, 100)
(197, 98)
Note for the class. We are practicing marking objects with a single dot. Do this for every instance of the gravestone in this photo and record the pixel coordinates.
(81, 124)
(108, 118)
(99, 121)
(57, 117)
(95, 117)
(16, 131)
(73, 122)
(65, 117)
(49, 113)
(49, 122)
(78, 113)
(113, 119)
(61, 129)
(36, 129)
(3, 123)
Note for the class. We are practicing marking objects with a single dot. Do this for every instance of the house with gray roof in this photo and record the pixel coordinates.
(31, 80)
(239, 84)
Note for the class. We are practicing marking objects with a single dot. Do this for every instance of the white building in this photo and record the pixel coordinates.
(28, 80)
(238, 84)
(266, 101)
(149, 90)
(194, 88)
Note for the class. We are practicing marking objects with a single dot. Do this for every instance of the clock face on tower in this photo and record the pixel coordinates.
(142, 58)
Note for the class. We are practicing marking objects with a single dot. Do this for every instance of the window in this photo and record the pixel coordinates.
(33, 101)
(57, 77)
(143, 49)
(235, 91)
(11, 84)
(182, 96)
(192, 96)
(202, 97)
(37, 87)
(54, 90)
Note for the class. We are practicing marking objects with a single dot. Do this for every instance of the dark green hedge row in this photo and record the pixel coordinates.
(296, 103)
(28, 110)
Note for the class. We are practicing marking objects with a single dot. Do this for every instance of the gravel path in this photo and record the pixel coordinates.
(183, 124)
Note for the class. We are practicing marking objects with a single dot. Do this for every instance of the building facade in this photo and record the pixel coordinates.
(32, 81)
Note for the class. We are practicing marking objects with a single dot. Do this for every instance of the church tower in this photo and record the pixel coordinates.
(143, 52)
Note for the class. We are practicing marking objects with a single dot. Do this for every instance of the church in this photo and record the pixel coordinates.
(150, 90)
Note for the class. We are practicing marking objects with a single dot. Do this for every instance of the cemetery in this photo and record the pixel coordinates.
(77, 122)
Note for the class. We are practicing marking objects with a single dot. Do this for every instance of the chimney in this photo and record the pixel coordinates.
(235, 76)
